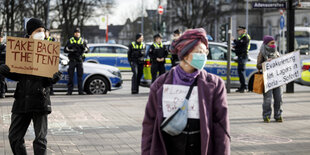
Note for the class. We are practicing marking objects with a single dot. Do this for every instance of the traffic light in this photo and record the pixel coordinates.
(223, 32)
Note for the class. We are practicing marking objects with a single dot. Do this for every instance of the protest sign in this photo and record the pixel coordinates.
(173, 97)
(33, 57)
(281, 70)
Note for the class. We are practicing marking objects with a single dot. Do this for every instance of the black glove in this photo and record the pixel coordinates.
(56, 77)
(4, 69)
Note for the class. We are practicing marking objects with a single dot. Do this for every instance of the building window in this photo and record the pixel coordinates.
(305, 21)
(269, 28)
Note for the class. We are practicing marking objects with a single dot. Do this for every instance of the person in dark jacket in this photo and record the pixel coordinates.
(32, 101)
(242, 47)
(135, 57)
(174, 57)
(158, 54)
(207, 129)
(76, 47)
(2, 61)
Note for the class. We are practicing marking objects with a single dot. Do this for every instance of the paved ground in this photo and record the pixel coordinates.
(111, 124)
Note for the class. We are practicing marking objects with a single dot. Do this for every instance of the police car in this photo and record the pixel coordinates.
(216, 64)
(305, 74)
(108, 54)
(97, 78)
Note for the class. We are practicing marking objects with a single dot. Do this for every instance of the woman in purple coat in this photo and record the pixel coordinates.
(207, 129)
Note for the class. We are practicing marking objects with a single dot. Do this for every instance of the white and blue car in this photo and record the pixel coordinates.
(97, 78)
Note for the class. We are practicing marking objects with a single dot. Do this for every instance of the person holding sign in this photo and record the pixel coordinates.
(207, 128)
(32, 101)
(268, 52)
(76, 47)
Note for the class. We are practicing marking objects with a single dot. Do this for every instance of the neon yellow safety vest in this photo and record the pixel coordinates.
(49, 39)
(158, 46)
(136, 46)
(80, 41)
(249, 46)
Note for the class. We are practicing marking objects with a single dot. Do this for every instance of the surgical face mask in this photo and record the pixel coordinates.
(199, 60)
(39, 36)
(272, 46)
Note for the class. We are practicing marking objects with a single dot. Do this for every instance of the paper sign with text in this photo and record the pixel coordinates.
(33, 57)
(173, 97)
(281, 70)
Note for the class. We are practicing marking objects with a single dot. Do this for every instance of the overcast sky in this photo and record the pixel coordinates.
(126, 9)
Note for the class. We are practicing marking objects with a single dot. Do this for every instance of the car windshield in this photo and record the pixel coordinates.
(303, 41)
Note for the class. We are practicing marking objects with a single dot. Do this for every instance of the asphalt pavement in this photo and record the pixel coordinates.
(111, 124)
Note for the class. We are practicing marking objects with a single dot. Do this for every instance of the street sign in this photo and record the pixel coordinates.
(160, 10)
(269, 4)
(282, 21)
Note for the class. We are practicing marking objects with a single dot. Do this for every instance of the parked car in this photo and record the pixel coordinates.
(108, 54)
(97, 78)
(255, 48)
(216, 64)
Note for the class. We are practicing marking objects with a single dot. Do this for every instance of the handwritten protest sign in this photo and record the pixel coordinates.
(33, 57)
(281, 70)
(173, 97)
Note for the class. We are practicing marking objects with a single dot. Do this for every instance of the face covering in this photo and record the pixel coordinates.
(199, 60)
(272, 46)
(39, 36)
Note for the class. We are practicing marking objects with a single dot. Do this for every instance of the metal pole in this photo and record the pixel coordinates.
(247, 15)
(142, 18)
(290, 37)
(229, 55)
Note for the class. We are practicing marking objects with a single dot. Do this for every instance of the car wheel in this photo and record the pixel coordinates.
(96, 85)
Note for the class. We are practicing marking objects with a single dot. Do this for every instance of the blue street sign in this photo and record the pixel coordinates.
(282, 22)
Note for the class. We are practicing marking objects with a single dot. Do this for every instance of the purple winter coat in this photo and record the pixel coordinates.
(213, 111)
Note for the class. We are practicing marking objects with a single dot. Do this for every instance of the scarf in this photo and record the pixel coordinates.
(180, 77)
(269, 52)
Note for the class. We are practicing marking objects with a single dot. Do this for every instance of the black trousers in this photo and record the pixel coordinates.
(137, 70)
(157, 67)
(18, 128)
(79, 69)
(2, 84)
(242, 60)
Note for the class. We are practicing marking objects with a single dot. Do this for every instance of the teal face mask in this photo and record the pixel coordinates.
(199, 60)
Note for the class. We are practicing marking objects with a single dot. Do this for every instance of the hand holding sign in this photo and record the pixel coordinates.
(34, 57)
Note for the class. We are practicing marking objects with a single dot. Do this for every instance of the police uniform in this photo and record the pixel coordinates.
(242, 46)
(136, 60)
(157, 51)
(76, 48)
(2, 78)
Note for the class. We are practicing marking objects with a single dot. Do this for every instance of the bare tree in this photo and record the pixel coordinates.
(192, 13)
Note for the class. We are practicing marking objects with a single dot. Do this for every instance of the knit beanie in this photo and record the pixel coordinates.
(267, 39)
(33, 24)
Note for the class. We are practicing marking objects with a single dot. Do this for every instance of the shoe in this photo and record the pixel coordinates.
(267, 119)
(2, 95)
(134, 93)
(280, 119)
(69, 93)
(52, 93)
(82, 93)
(240, 90)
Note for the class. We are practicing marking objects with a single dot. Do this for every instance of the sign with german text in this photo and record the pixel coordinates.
(269, 4)
(33, 57)
(282, 70)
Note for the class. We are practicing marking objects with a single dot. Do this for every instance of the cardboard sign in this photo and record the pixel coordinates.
(33, 57)
(281, 70)
(173, 97)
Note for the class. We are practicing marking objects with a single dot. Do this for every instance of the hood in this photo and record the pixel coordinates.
(100, 66)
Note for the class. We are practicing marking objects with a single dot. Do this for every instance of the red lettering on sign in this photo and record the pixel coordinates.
(30, 43)
(11, 42)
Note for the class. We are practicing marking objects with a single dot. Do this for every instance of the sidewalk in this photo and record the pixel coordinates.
(111, 124)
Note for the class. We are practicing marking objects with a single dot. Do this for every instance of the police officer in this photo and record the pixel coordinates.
(76, 46)
(2, 61)
(158, 54)
(32, 101)
(49, 38)
(136, 60)
(242, 46)
(174, 57)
